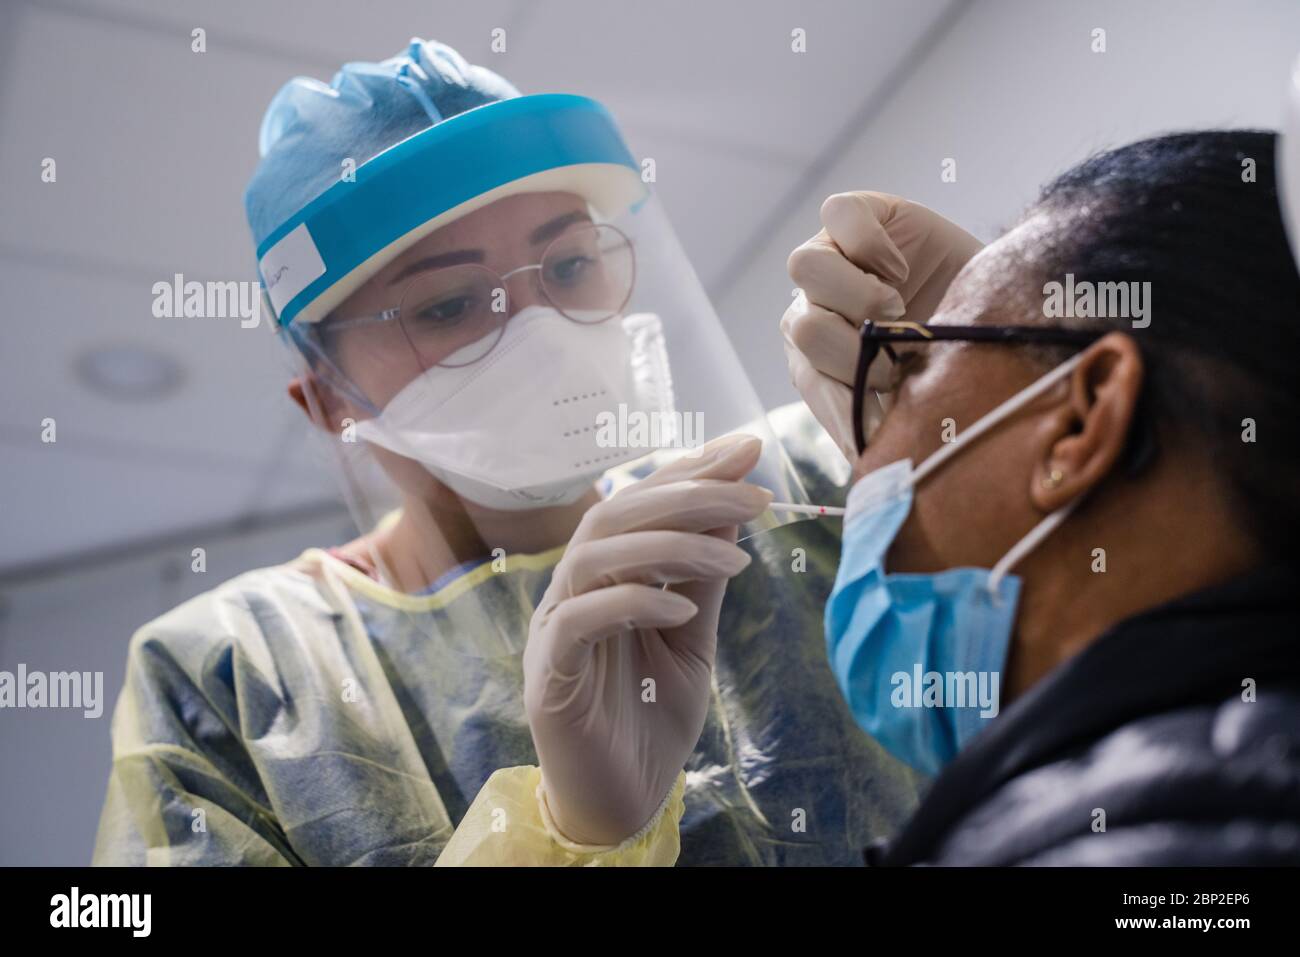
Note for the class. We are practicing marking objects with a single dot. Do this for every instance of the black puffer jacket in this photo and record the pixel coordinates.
(1148, 725)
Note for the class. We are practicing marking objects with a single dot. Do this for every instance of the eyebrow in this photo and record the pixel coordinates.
(559, 224)
(543, 233)
(457, 258)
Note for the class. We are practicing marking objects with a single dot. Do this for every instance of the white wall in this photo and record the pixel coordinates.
(1015, 95)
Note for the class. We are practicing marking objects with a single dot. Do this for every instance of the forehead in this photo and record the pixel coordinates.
(503, 226)
(989, 287)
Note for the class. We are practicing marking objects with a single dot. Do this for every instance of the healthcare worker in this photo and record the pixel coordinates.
(501, 346)
(1068, 579)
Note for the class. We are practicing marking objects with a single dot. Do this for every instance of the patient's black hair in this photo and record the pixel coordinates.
(1197, 216)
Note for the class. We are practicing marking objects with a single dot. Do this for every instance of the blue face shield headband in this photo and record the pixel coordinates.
(919, 657)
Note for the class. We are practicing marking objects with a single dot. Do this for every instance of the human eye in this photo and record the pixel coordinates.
(570, 269)
(905, 363)
(446, 310)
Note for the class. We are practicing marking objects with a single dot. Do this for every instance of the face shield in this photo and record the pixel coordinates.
(496, 326)
(1288, 161)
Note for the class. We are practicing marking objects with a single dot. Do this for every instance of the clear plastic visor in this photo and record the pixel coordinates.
(511, 369)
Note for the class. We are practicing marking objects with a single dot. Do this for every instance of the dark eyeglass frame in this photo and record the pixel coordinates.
(878, 335)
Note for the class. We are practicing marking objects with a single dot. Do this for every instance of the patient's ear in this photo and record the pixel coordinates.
(1084, 436)
(319, 402)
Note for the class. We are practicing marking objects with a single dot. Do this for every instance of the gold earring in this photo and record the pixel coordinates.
(1054, 479)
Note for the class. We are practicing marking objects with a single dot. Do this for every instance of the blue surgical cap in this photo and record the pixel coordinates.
(429, 139)
(310, 129)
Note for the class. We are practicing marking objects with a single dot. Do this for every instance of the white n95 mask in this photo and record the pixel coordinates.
(537, 419)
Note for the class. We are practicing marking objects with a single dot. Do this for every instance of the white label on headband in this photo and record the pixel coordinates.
(290, 266)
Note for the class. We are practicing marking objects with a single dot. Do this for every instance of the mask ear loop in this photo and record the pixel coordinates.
(1026, 545)
(994, 417)
(986, 422)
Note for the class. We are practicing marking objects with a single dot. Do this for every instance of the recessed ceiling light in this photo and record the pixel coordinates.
(129, 372)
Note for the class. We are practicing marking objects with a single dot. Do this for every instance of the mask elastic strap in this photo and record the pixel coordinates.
(992, 418)
(1027, 544)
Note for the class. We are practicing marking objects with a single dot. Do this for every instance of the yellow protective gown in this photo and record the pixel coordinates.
(306, 714)
(509, 825)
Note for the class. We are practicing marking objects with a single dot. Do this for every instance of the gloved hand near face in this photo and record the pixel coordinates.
(878, 257)
(617, 667)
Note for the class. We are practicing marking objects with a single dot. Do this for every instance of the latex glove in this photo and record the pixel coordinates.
(878, 257)
(608, 756)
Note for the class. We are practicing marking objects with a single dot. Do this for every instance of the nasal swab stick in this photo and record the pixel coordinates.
(806, 509)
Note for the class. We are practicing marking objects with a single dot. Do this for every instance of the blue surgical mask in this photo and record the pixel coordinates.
(919, 657)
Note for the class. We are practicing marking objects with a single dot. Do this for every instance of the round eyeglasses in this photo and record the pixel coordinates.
(454, 316)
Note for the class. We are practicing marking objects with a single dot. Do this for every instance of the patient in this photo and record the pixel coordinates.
(1116, 541)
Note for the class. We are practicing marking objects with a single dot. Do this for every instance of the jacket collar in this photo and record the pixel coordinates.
(1193, 650)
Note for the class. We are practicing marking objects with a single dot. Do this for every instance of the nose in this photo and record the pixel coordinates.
(524, 289)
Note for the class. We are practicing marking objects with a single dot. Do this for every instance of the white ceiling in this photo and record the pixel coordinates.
(154, 145)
